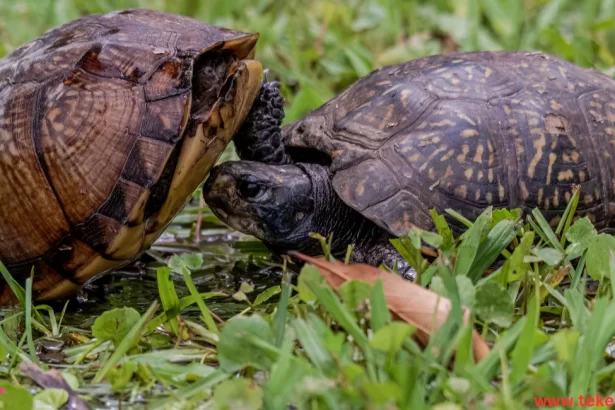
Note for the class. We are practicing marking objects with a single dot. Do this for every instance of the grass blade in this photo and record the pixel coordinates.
(313, 344)
(459, 217)
(547, 230)
(589, 350)
(168, 297)
(207, 317)
(468, 249)
(524, 349)
(379, 310)
(11, 348)
(17, 289)
(496, 242)
(568, 215)
(489, 365)
(279, 322)
(28, 318)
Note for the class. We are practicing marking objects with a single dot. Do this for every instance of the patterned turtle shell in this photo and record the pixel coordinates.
(466, 131)
(107, 125)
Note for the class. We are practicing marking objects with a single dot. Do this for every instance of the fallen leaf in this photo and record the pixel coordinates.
(406, 300)
(52, 379)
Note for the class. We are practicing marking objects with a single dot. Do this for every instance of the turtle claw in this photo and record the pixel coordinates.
(268, 83)
(260, 137)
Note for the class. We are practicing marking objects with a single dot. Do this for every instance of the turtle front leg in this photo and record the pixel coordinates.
(260, 137)
(385, 254)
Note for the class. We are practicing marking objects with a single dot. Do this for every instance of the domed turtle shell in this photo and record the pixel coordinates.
(466, 131)
(107, 125)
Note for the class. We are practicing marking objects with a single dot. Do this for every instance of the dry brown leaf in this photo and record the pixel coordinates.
(52, 379)
(406, 300)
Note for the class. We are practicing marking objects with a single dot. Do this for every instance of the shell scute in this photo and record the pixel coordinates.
(507, 129)
(164, 119)
(376, 183)
(28, 229)
(85, 140)
(172, 77)
(126, 62)
(143, 165)
(466, 78)
(90, 114)
(124, 198)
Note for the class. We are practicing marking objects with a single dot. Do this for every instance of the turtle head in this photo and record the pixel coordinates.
(274, 203)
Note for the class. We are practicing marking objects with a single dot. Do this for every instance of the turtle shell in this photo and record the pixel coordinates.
(101, 144)
(466, 131)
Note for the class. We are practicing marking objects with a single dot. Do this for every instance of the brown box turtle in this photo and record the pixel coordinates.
(462, 131)
(107, 125)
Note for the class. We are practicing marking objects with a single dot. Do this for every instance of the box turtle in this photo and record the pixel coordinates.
(463, 131)
(107, 125)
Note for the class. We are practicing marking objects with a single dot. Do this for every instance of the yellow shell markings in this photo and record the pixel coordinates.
(73, 155)
(465, 150)
(29, 204)
(442, 123)
(427, 139)
(565, 176)
(63, 123)
(556, 198)
(469, 132)
(461, 191)
(33, 184)
(490, 175)
(468, 173)
(478, 157)
(501, 192)
(552, 158)
(524, 192)
(439, 125)
(439, 139)
(360, 189)
(491, 160)
(449, 154)
(431, 156)
(598, 106)
(198, 154)
(588, 199)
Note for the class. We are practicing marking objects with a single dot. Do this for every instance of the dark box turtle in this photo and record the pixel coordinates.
(107, 126)
(462, 131)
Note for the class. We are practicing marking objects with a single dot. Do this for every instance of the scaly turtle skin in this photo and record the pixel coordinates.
(462, 131)
(260, 137)
(107, 125)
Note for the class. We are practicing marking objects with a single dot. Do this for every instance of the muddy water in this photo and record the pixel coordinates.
(229, 258)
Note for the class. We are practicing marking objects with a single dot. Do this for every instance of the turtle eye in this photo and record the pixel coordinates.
(249, 190)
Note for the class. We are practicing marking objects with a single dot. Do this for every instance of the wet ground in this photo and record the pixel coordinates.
(229, 259)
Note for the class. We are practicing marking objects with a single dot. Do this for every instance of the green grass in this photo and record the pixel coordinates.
(318, 47)
(311, 347)
(547, 311)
